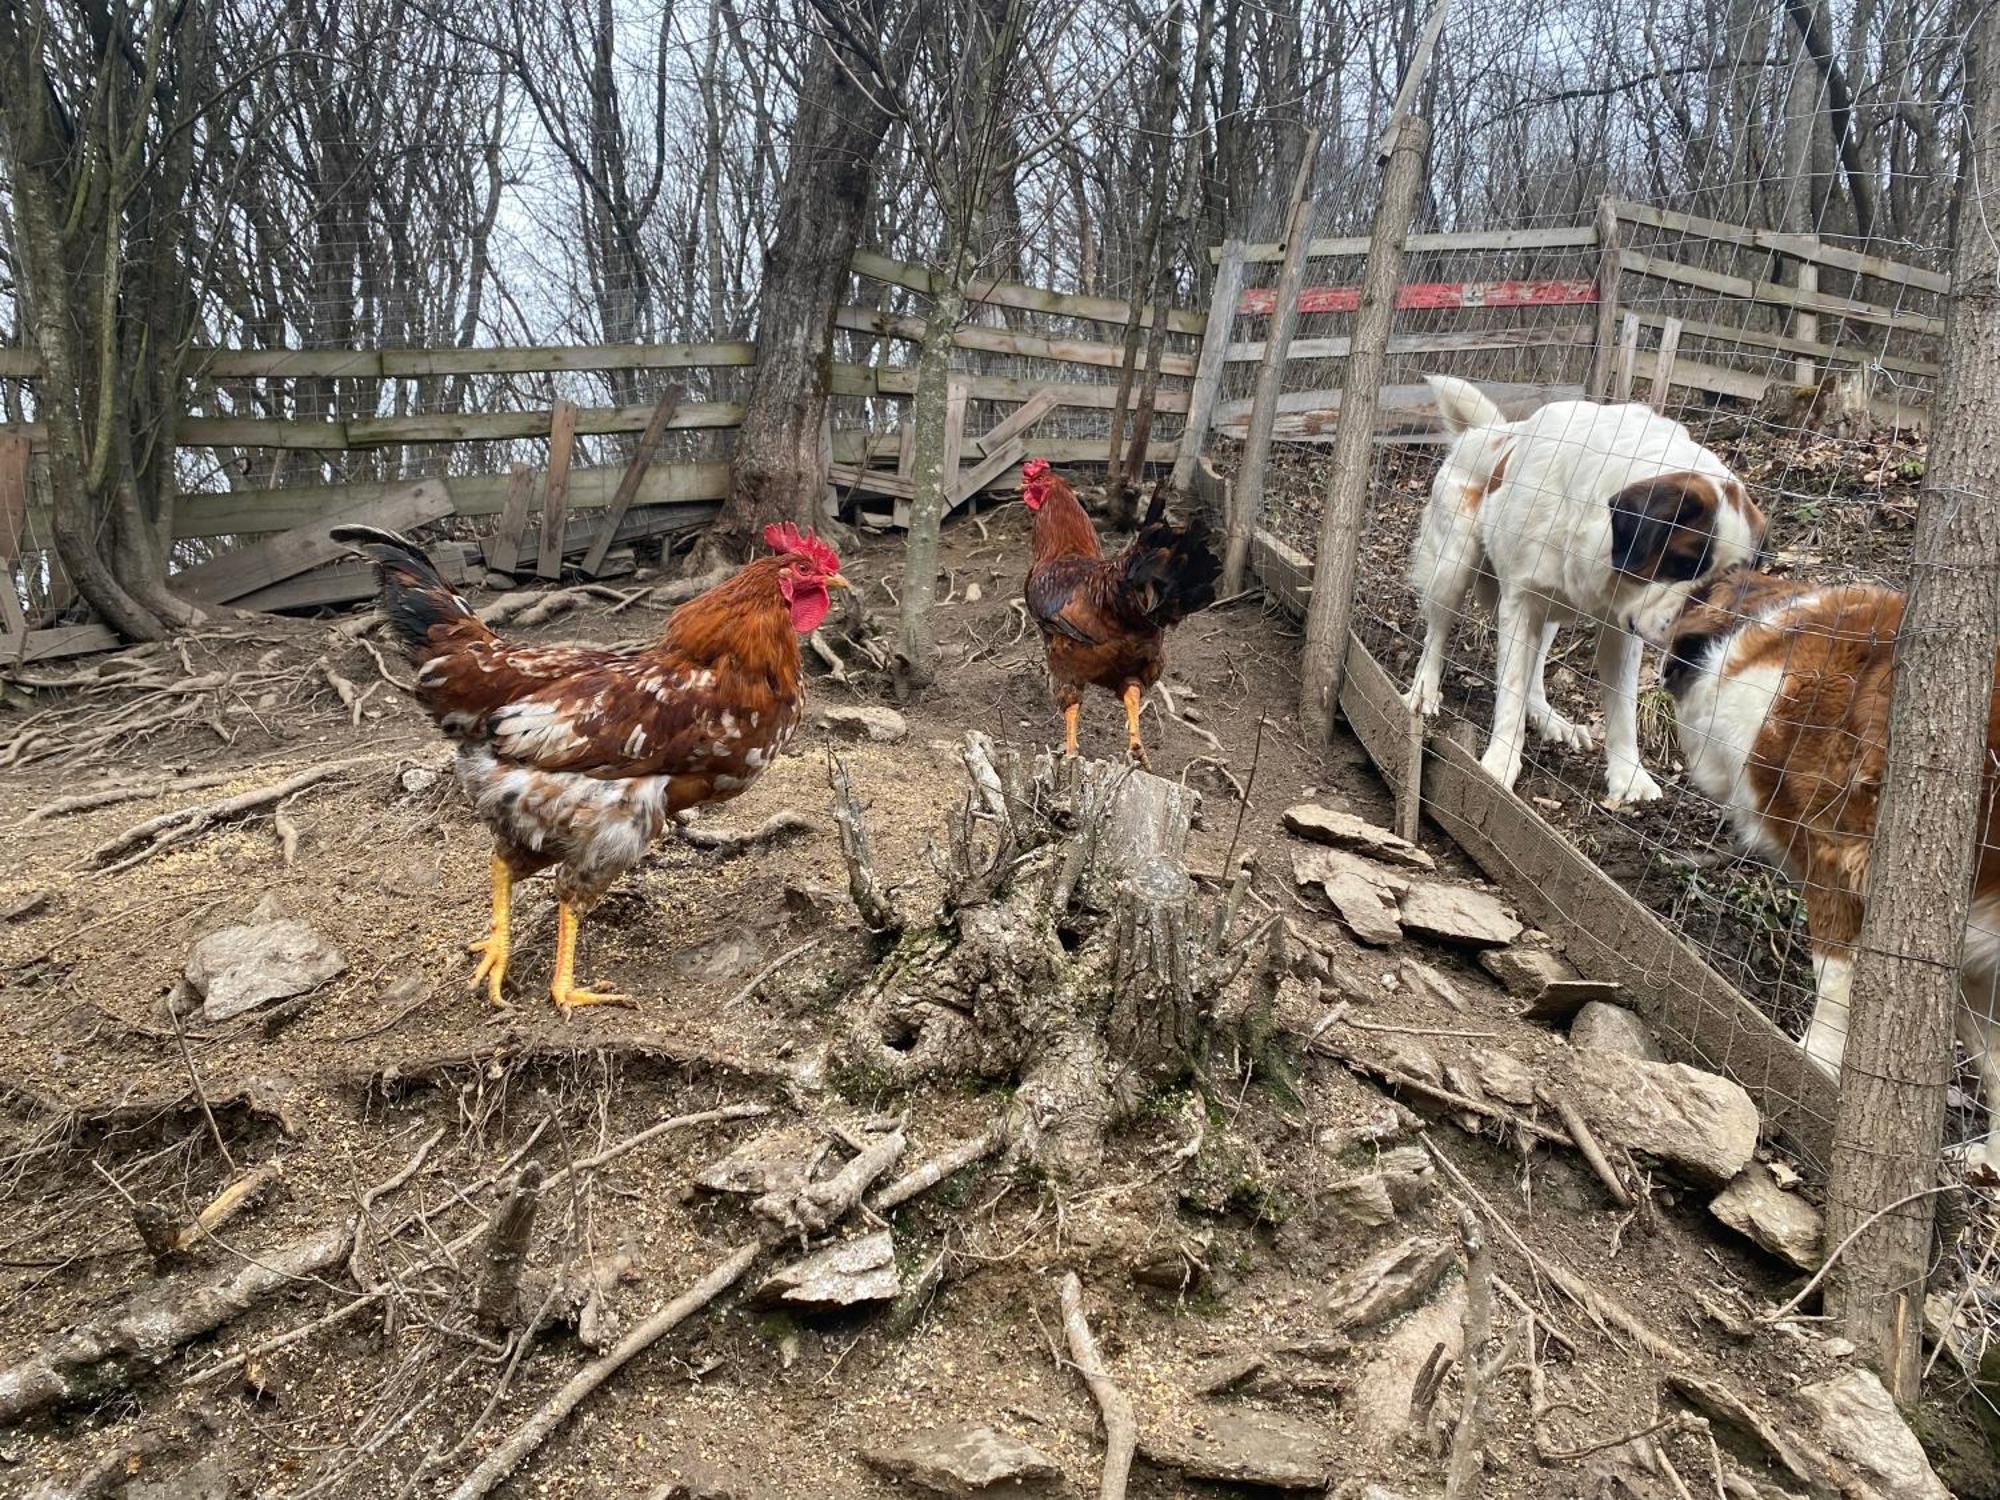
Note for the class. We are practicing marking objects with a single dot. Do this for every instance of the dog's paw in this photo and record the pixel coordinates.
(1554, 729)
(1629, 785)
(1503, 767)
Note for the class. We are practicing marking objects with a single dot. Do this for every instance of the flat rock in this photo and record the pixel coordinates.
(1265, 1449)
(849, 1274)
(1558, 1002)
(1699, 1124)
(1377, 1405)
(867, 721)
(1523, 971)
(1780, 1222)
(1391, 1282)
(1326, 825)
(1363, 893)
(268, 958)
(778, 1160)
(1458, 915)
(1601, 1027)
(964, 1459)
(1859, 1422)
(1401, 1181)
(1433, 985)
(1503, 1076)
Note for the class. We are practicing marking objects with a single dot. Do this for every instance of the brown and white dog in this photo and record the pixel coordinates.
(1612, 513)
(1781, 694)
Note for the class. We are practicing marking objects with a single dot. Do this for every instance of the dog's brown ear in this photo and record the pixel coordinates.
(1662, 528)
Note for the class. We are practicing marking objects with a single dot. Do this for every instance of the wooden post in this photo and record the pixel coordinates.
(1334, 568)
(1663, 366)
(1628, 359)
(628, 482)
(555, 498)
(1929, 829)
(1209, 364)
(1249, 487)
(1604, 357)
(1805, 325)
(954, 434)
(503, 548)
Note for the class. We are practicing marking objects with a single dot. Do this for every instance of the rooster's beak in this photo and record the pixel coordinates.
(835, 581)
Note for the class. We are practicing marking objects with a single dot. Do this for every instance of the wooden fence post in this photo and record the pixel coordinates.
(555, 498)
(1334, 566)
(1933, 814)
(1663, 366)
(1210, 363)
(1604, 357)
(628, 482)
(1805, 325)
(1249, 486)
(1627, 365)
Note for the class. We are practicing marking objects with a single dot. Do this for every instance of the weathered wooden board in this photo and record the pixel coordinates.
(13, 529)
(1538, 336)
(350, 580)
(1808, 247)
(1599, 926)
(1777, 293)
(871, 380)
(1015, 424)
(1757, 338)
(909, 329)
(640, 522)
(971, 481)
(628, 485)
(1559, 237)
(55, 641)
(513, 523)
(873, 481)
(1313, 416)
(1013, 294)
(1566, 292)
(247, 569)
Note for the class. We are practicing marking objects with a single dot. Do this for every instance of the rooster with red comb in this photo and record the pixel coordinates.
(576, 756)
(1104, 619)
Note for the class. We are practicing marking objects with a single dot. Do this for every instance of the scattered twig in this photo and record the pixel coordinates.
(870, 898)
(1468, 1438)
(1250, 785)
(757, 979)
(531, 1434)
(366, 1216)
(1834, 1255)
(80, 802)
(1673, 1423)
(1214, 744)
(1394, 1030)
(1121, 1430)
(938, 1168)
(238, 1195)
(200, 1094)
(177, 827)
(1586, 1142)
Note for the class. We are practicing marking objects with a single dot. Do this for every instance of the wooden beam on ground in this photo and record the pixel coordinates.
(513, 524)
(259, 565)
(1215, 350)
(635, 471)
(53, 642)
(555, 495)
(1604, 931)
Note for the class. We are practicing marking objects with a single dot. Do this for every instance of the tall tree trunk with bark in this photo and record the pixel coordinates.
(1905, 988)
(916, 642)
(780, 469)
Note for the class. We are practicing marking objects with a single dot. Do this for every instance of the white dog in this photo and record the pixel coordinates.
(1612, 513)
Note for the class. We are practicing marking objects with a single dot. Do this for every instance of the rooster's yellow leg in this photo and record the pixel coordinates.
(1069, 728)
(563, 989)
(493, 948)
(1133, 692)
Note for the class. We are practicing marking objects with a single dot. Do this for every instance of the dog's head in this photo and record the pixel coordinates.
(1670, 534)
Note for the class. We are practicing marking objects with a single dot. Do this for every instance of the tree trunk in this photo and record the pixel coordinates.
(1905, 991)
(779, 470)
(916, 640)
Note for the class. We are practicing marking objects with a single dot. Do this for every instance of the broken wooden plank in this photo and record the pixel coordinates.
(513, 525)
(229, 577)
(872, 481)
(55, 641)
(555, 496)
(641, 522)
(351, 580)
(1015, 424)
(628, 486)
(972, 481)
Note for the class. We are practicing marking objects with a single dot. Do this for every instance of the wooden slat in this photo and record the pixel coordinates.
(870, 380)
(1559, 237)
(1215, 349)
(1598, 925)
(1015, 424)
(19, 364)
(1314, 416)
(1533, 337)
(972, 481)
(346, 582)
(1435, 295)
(1777, 293)
(1754, 338)
(260, 432)
(1800, 246)
(247, 569)
(908, 329)
(57, 640)
(596, 421)
(287, 364)
(555, 490)
(513, 524)
(13, 497)
(407, 363)
(1604, 341)
(868, 481)
(1013, 294)
(906, 447)
(1663, 364)
(635, 471)
(641, 522)
(1625, 368)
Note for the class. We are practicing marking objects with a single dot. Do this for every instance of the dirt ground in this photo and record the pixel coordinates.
(1232, 1184)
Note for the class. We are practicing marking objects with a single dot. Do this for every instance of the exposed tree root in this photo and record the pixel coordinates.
(178, 827)
(1121, 1429)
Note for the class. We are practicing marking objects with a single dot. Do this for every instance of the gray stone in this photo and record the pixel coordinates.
(1781, 1222)
(849, 1274)
(1458, 915)
(1599, 1027)
(967, 1460)
(1377, 1405)
(1503, 1076)
(1430, 984)
(779, 1160)
(1700, 1125)
(1363, 893)
(1561, 999)
(1523, 971)
(1326, 825)
(1264, 1449)
(1389, 1283)
(271, 957)
(1859, 1422)
(418, 779)
(870, 722)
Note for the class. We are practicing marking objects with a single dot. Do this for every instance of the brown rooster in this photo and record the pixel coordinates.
(1105, 619)
(577, 756)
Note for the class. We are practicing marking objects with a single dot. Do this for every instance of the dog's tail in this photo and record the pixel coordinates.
(1463, 405)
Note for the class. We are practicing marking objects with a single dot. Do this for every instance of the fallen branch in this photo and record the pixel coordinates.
(241, 1194)
(178, 827)
(734, 841)
(1468, 1438)
(768, 970)
(938, 1168)
(1586, 1142)
(1121, 1430)
(530, 1436)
